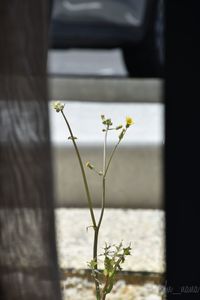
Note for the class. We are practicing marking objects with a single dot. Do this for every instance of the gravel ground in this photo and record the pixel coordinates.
(143, 228)
(76, 289)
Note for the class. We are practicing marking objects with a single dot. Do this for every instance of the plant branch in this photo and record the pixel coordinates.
(83, 172)
(101, 215)
(103, 179)
(111, 156)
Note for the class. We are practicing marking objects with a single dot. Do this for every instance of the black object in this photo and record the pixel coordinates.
(136, 26)
(182, 150)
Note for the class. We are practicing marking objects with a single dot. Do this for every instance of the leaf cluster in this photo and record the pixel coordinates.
(114, 257)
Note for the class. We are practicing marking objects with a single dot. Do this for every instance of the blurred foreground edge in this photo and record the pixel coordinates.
(182, 151)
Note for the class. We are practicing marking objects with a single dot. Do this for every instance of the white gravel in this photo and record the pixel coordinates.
(144, 228)
(76, 289)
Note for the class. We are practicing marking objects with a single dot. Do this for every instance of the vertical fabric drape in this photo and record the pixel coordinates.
(28, 260)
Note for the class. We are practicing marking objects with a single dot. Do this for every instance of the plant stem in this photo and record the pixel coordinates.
(101, 215)
(104, 296)
(83, 172)
(95, 250)
(103, 180)
(105, 169)
(105, 287)
(111, 156)
(96, 229)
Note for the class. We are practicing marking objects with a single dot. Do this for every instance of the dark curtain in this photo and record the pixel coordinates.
(182, 151)
(28, 260)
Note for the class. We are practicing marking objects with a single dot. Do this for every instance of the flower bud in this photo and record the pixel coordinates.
(122, 134)
(109, 122)
(127, 251)
(58, 106)
(119, 127)
(88, 165)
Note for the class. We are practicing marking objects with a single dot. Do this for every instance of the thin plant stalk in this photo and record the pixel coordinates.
(105, 169)
(103, 179)
(83, 172)
(102, 211)
(95, 227)
(112, 154)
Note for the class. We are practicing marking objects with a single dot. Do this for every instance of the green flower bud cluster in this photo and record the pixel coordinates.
(107, 122)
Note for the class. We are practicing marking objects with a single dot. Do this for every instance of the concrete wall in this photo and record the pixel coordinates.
(135, 178)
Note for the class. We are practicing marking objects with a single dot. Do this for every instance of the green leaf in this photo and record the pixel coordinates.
(105, 272)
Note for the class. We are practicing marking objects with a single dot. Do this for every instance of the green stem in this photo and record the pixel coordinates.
(83, 172)
(104, 293)
(104, 296)
(90, 206)
(103, 180)
(111, 156)
(105, 169)
(95, 248)
(113, 152)
(101, 216)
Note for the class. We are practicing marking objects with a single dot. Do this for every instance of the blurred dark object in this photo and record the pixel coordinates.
(28, 260)
(182, 150)
(136, 26)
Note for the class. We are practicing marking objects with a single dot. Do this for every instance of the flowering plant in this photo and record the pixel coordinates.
(114, 255)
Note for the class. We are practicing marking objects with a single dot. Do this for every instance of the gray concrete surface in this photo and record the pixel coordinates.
(86, 62)
(134, 179)
(98, 70)
(106, 89)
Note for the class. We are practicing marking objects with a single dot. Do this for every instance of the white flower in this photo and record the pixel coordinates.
(58, 106)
